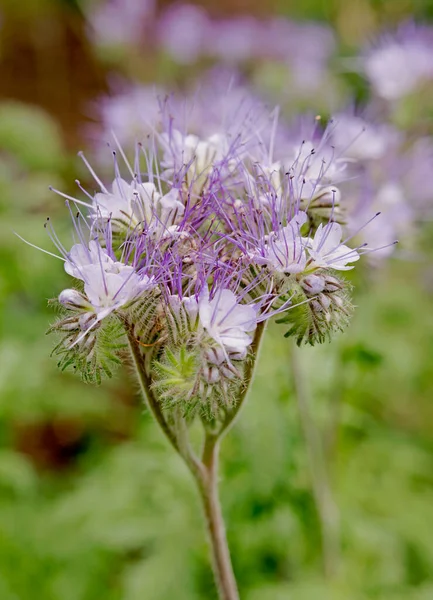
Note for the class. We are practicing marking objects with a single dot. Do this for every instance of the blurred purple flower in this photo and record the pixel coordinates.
(119, 22)
(399, 64)
(183, 30)
(235, 40)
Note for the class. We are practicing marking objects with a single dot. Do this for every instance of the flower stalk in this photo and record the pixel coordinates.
(205, 468)
(207, 239)
(207, 481)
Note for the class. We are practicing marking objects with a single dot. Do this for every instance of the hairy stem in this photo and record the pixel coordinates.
(208, 485)
(326, 507)
(152, 403)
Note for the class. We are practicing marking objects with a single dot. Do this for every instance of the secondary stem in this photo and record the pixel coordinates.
(322, 492)
(248, 376)
(146, 391)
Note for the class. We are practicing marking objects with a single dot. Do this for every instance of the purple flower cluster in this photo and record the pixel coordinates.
(223, 223)
(208, 235)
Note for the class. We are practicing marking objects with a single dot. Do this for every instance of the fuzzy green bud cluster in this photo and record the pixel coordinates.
(322, 308)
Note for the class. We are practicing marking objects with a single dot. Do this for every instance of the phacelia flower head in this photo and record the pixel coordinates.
(196, 246)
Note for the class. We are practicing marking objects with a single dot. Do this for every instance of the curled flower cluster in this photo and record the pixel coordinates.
(206, 240)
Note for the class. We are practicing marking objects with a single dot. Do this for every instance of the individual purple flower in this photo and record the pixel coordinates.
(138, 204)
(129, 202)
(108, 283)
(327, 251)
(228, 322)
(283, 250)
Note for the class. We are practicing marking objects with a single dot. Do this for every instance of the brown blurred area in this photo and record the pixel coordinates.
(46, 58)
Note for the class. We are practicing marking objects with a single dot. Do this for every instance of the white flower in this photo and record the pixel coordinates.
(284, 250)
(134, 203)
(326, 248)
(73, 299)
(108, 284)
(131, 202)
(80, 257)
(265, 184)
(189, 303)
(227, 322)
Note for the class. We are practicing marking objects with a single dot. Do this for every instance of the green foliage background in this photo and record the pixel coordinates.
(94, 504)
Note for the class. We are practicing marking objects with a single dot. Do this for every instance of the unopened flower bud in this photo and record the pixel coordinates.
(316, 306)
(324, 313)
(313, 284)
(85, 320)
(215, 355)
(69, 324)
(73, 300)
(325, 301)
(332, 284)
(338, 301)
(229, 373)
(211, 374)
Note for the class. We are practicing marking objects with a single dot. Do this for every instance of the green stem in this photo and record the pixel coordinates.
(207, 479)
(208, 486)
(322, 491)
(152, 403)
